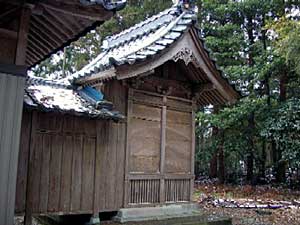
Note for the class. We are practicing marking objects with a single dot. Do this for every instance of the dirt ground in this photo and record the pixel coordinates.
(250, 216)
(210, 198)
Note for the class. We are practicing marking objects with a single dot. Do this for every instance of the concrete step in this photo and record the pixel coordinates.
(194, 220)
(183, 214)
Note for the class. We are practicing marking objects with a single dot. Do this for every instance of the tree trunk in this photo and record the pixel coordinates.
(280, 165)
(213, 170)
(250, 154)
(213, 166)
(262, 172)
(221, 162)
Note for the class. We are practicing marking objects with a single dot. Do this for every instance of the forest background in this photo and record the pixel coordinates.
(257, 46)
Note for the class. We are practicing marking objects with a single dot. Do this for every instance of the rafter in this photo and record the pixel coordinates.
(79, 11)
(61, 20)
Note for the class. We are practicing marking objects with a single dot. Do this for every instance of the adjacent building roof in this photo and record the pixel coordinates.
(52, 25)
(109, 5)
(47, 95)
(141, 41)
(156, 38)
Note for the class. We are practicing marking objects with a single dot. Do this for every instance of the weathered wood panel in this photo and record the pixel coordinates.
(178, 142)
(76, 165)
(115, 92)
(23, 162)
(11, 103)
(160, 149)
(76, 174)
(145, 139)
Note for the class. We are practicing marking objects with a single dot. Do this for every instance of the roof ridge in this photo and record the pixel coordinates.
(161, 31)
(141, 23)
(141, 41)
(105, 44)
(33, 80)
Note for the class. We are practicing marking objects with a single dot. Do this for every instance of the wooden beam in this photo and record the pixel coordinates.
(61, 29)
(62, 21)
(7, 12)
(50, 30)
(37, 47)
(41, 34)
(80, 11)
(31, 57)
(8, 33)
(13, 69)
(31, 51)
(41, 42)
(23, 36)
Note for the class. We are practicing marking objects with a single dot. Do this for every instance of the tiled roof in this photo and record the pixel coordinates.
(141, 41)
(107, 4)
(55, 96)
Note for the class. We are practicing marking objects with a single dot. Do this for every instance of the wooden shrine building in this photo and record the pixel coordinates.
(30, 31)
(120, 133)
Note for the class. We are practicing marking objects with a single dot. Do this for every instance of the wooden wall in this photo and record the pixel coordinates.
(160, 149)
(82, 166)
(76, 165)
(11, 102)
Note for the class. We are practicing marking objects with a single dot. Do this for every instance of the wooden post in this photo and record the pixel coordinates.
(193, 150)
(30, 173)
(23, 36)
(11, 101)
(163, 151)
(127, 151)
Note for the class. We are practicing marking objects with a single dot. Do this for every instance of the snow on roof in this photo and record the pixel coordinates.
(55, 96)
(141, 41)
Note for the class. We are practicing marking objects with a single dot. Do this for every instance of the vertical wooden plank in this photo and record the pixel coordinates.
(163, 150)
(7, 89)
(119, 168)
(101, 159)
(23, 162)
(44, 192)
(111, 163)
(55, 173)
(127, 153)
(66, 174)
(76, 174)
(98, 193)
(29, 190)
(36, 171)
(193, 149)
(88, 163)
(10, 126)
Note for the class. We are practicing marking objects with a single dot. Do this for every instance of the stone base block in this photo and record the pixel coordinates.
(184, 214)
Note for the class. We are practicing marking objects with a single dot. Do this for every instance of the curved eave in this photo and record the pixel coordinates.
(213, 65)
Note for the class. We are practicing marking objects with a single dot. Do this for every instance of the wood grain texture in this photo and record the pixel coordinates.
(76, 165)
(23, 162)
(160, 149)
(11, 98)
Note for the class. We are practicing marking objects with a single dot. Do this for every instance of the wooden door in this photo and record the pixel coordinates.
(159, 149)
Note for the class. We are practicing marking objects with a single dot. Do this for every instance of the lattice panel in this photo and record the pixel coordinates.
(144, 191)
(177, 190)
